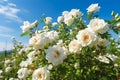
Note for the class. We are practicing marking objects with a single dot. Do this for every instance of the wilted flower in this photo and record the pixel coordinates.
(55, 55)
(23, 73)
(93, 8)
(41, 74)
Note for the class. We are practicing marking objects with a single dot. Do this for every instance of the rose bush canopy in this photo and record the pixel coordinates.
(75, 47)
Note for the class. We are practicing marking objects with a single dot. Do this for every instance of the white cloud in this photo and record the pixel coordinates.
(5, 45)
(5, 35)
(5, 32)
(11, 4)
(5, 29)
(10, 11)
(5, 0)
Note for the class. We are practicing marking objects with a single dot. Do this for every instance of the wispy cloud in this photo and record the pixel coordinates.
(5, 29)
(5, 0)
(10, 11)
(5, 35)
(4, 32)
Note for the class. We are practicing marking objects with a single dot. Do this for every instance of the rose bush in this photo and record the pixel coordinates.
(68, 50)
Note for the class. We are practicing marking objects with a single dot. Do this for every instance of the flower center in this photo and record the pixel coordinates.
(35, 40)
(21, 73)
(39, 75)
(57, 53)
(74, 44)
(85, 38)
(102, 42)
(95, 24)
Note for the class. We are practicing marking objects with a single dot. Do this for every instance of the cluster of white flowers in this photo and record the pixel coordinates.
(89, 36)
(52, 45)
(40, 40)
(27, 26)
(69, 17)
(23, 73)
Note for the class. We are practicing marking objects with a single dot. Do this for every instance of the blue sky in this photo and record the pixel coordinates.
(14, 12)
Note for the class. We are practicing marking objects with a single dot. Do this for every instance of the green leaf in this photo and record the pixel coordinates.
(24, 34)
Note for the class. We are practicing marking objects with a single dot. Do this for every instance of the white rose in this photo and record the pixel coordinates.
(98, 25)
(60, 42)
(76, 13)
(51, 36)
(26, 63)
(60, 19)
(102, 42)
(55, 55)
(74, 46)
(37, 41)
(7, 62)
(48, 20)
(86, 37)
(23, 73)
(32, 55)
(64, 13)
(93, 8)
(8, 69)
(41, 74)
(50, 66)
(68, 19)
(27, 25)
